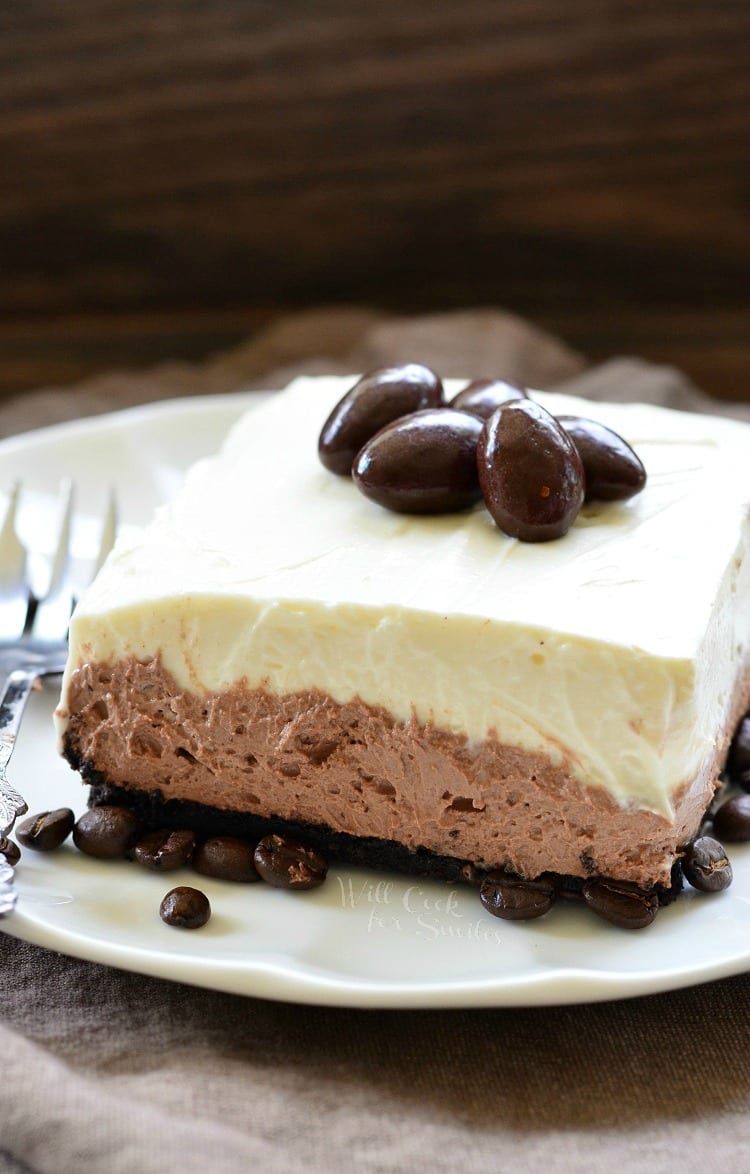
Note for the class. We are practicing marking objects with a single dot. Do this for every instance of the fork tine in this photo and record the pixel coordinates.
(54, 606)
(109, 530)
(14, 594)
(12, 552)
(61, 557)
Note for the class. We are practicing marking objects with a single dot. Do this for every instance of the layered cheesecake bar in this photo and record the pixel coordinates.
(274, 651)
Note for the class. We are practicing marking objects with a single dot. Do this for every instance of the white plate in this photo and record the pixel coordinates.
(363, 939)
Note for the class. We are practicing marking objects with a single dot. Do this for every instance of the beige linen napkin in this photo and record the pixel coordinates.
(107, 1071)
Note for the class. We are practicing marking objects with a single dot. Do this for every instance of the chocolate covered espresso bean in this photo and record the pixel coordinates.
(482, 397)
(425, 463)
(185, 908)
(46, 831)
(613, 471)
(530, 472)
(379, 398)
(108, 833)
(706, 865)
(226, 858)
(515, 899)
(287, 864)
(732, 820)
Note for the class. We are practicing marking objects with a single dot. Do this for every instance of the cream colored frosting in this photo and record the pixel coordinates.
(614, 650)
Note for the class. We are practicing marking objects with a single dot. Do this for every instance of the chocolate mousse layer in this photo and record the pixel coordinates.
(355, 772)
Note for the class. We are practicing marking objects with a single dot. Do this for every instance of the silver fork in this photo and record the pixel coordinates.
(33, 644)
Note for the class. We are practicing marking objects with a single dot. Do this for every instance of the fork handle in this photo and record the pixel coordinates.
(12, 704)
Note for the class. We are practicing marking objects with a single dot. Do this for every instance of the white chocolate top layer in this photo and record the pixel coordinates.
(616, 649)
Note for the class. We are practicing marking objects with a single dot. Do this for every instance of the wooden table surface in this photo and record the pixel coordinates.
(174, 175)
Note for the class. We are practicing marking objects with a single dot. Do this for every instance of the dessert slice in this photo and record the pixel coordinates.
(276, 652)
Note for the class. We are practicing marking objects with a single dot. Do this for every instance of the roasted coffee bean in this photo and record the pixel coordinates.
(287, 864)
(377, 399)
(531, 474)
(10, 852)
(613, 471)
(732, 820)
(47, 831)
(621, 903)
(165, 850)
(425, 463)
(738, 759)
(227, 858)
(706, 865)
(516, 899)
(185, 907)
(482, 397)
(106, 832)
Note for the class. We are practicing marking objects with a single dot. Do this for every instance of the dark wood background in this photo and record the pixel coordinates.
(172, 175)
